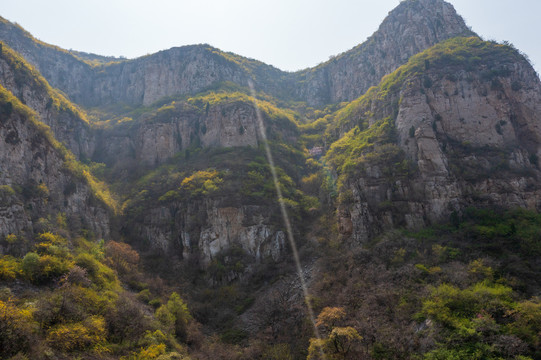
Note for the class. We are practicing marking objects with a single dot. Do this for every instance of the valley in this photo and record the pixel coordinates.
(141, 216)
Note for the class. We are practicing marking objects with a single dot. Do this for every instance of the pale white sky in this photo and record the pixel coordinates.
(289, 34)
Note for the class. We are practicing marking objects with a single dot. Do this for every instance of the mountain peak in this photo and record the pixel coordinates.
(419, 24)
(438, 15)
(411, 27)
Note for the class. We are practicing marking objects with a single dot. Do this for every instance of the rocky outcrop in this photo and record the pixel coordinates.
(244, 227)
(61, 69)
(36, 183)
(158, 137)
(468, 135)
(185, 70)
(90, 81)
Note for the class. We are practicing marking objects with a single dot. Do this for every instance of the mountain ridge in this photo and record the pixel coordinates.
(152, 83)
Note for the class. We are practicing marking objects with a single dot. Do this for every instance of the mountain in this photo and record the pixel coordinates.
(408, 168)
(142, 81)
(411, 27)
(191, 69)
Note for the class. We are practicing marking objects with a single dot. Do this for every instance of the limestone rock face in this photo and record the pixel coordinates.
(61, 69)
(177, 71)
(157, 142)
(230, 125)
(35, 182)
(207, 229)
(142, 81)
(230, 226)
(470, 140)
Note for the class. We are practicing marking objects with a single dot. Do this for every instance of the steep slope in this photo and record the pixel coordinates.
(62, 70)
(69, 124)
(177, 71)
(458, 125)
(411, 27)
(41, 181)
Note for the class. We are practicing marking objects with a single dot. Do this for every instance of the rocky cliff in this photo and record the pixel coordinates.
(205, 230)
(229, 202)
(68, 123)
(216, 120)
(223, 119)
(40, 183)
(162, 134)
(92, 81)
(61, 69)
(464, 130)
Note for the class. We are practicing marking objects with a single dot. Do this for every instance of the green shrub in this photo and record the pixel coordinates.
(6, 190)
(16, 330)
(30, 266)
(77, 336)
(9, 268)
(102, 277)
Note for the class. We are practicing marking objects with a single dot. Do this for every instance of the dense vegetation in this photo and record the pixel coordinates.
(466, 289)
(80, 297)
(463, 290)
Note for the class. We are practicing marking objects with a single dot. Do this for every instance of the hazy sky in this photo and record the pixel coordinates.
(289, 34)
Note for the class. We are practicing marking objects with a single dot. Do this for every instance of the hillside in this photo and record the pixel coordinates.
(195, 204)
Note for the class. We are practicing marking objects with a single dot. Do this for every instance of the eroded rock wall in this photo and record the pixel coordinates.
(205, 229)
(413, 26)
(155, 140)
